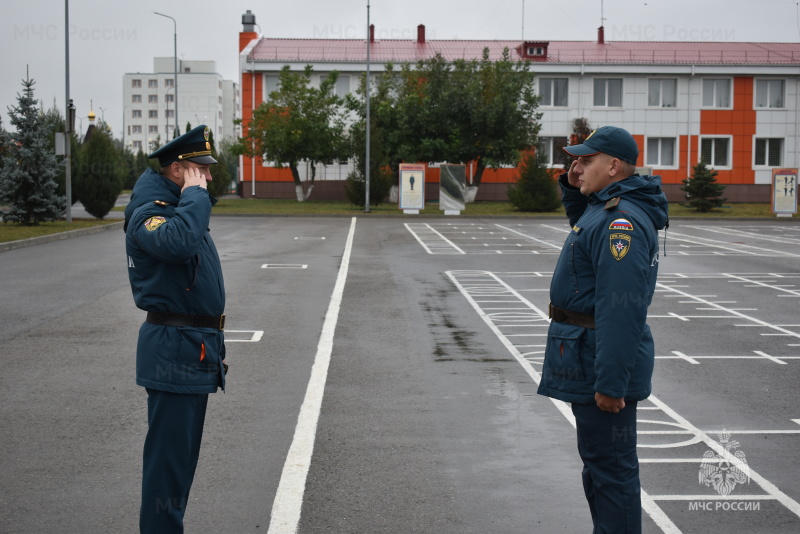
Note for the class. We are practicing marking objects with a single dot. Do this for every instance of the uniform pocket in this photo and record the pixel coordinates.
(563, 352)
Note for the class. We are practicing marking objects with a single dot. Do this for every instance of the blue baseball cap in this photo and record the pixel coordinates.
(616, 142)
(193, 146)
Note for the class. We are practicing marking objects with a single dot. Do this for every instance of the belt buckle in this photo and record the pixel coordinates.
(222, 322)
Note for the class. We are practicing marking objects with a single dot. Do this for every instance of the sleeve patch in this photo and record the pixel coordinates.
(621, 224)
(154, 222)
(620, 245)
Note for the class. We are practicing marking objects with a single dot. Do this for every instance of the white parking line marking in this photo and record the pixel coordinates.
(289, 497)
(284, 266)
(255, 337)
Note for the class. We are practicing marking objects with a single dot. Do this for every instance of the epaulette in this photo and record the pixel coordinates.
(161, 203)
(612, 204)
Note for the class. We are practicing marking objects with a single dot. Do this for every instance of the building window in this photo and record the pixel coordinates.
(169, 82)
(769, 93)
(152, 129)
(535, 51)
(660, 152)
(715, 151)
(136, 128)
(169, 98)
(717, 93)
(136, 114)
(662, 93)
(136, 99)
(273, 84)
(170, 113)
(553, 91)
(137, 145)
(136, 83)
(152, 84)
(152, 99)
(608, 92)
(769, 152)
(553, 149)
(152, 114)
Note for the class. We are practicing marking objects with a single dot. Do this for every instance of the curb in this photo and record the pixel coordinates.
(22, 243)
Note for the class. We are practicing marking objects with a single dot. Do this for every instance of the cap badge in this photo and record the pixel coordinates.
(206, 133)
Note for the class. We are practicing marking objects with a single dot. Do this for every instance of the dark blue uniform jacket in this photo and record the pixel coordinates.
(608, 269)
(174, 267)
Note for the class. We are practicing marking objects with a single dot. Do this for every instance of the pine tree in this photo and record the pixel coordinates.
(535, 190)
(703, 192)
(221, 178)
(103, 173)
(29, 170)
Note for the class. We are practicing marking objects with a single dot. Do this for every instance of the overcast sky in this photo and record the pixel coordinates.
(111, 38)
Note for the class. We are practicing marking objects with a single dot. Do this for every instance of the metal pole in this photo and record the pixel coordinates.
(366, 157)
(176, 132)
(68, 135)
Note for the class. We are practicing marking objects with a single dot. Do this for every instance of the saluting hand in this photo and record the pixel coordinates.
(193, 176)
(572, 176)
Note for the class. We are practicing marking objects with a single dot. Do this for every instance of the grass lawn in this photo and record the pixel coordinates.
(15, 232)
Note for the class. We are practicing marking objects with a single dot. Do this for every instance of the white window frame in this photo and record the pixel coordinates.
(137, 145)
(728, 157)
(605, 90)
(759, 81)
(766, 164)
(136, 113)
(548, 144)
(152, 129)
(152, 84)
(152, 114)
(660, 164)
(660, 82)
(152, 99)
(715, 97)
(550, 81)
(136, 128)
(136, 83)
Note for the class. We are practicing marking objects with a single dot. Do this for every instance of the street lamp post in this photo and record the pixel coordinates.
(175, 45)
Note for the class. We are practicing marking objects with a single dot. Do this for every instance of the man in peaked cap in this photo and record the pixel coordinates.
(599, 354)
(176, 277)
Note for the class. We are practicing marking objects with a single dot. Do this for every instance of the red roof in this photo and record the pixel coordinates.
(574, 52)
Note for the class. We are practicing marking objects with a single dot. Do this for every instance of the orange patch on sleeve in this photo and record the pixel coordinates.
(202, 352)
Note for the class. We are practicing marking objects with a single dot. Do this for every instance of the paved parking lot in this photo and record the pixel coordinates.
(383, 378)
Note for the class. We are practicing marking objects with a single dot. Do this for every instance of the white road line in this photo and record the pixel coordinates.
(289, 497)
(530, 237)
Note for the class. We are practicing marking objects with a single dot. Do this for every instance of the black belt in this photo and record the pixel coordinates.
(583, 320)
(185, 319)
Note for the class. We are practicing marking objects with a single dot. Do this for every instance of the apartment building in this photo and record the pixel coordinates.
(734, 105)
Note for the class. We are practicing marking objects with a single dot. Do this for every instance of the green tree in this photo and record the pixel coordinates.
(385, 135)
(703, 193)
(496, 113)
(298, 123)
(29, 169)
(103, 172)
(535, 190)
(221, 178)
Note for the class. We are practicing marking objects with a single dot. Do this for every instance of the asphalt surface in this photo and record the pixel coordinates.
(429, 422)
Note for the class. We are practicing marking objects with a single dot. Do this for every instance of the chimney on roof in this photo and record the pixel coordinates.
(421, 34)
(249, 22)
(601, 35)
(371, 33)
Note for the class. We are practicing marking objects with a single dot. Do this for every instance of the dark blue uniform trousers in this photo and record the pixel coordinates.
(171, 449)
(607, 446)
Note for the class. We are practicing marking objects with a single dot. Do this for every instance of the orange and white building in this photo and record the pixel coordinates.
(735, 105)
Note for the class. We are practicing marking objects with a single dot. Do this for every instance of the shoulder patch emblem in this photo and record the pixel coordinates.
(621, 224)
(160, 203)
(620, 245)
(577, 229)
(154, 222)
